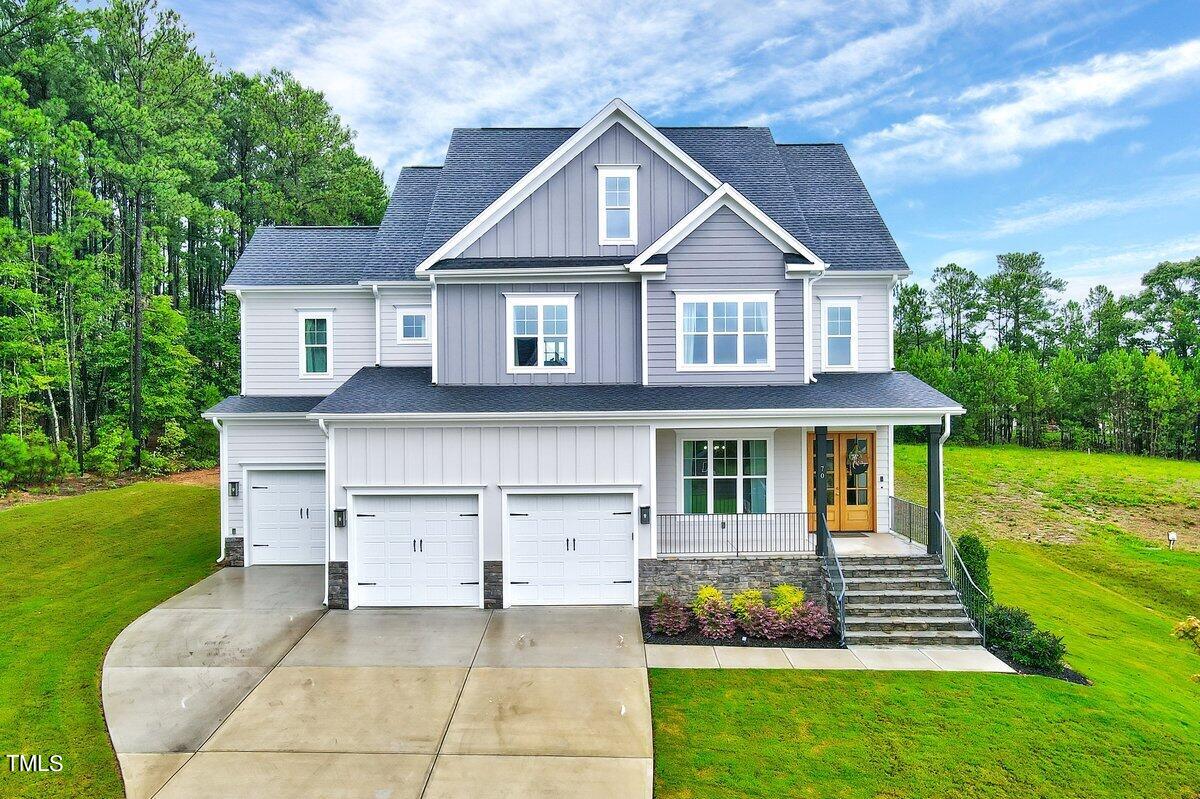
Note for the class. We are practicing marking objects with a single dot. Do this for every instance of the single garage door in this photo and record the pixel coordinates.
(416, 550)
(287, 517)
(570, 549)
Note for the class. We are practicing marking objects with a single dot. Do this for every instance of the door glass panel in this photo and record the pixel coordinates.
(830, 474)
(725, 494)
(858, 471)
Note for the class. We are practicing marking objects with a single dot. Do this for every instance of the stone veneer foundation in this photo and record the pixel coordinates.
(680, 577)
(493, 584)
(339, 585)
(235, 551)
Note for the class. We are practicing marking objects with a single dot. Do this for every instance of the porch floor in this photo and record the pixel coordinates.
(876, 544)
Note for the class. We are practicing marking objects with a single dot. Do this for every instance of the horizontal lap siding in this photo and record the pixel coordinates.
(286, 443)
(786, 469)
(391, 351)
(873, 295)
(561, 217)
(472, 343)
(271, 340)
(725, 254)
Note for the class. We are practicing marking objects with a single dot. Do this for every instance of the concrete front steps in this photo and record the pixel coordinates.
(903, 601)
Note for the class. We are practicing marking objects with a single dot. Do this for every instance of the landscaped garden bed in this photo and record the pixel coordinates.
(779, 617)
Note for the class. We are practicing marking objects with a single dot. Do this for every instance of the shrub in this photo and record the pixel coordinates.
(112, 454)
(745, 601)
(760, 621)
(715, 619)
(670, 616)
(1189, 630)
(1005, 624)
(706, 593)
(787, 599)
(974, 556)
(811, 621)
(1039, 649)
(170, 446)
(14, 458)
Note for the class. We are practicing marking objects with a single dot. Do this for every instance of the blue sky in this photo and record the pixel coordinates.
(1072, 128)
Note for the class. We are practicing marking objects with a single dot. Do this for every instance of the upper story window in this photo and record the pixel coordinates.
(839, 317)
(725, 476)
(541, 332)
(722, 332)
(618, 204)
(412, 325)
(316, 339)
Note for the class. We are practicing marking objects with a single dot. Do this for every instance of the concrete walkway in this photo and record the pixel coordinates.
(243, 686)
(880, 658)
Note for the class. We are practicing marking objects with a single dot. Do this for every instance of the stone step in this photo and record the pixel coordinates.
(912, 638)
(859, 624)
(943, 609)
(890, 560)
(867, 570)
(897, 583)
(857, 597)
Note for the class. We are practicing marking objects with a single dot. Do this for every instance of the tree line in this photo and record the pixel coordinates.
(132, 173)
(1110, 373)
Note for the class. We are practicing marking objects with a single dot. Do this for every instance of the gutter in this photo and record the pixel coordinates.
(649, 415)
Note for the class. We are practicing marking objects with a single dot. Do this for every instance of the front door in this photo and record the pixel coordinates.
(850, 481)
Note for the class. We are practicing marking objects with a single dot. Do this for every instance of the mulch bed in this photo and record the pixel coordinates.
(1068, 674)
(693, 638)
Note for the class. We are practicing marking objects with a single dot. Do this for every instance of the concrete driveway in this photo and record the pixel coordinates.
(244, 686)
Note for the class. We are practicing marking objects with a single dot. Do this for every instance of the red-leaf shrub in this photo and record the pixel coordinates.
(763, 622)
(670, 617)
(715, 619)
(811, 621)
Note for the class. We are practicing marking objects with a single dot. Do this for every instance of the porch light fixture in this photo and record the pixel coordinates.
(339, 517)
(234, 487)
(644, 514)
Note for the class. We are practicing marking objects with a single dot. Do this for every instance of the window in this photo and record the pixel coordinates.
(725, 476)
(618, 204)
(840, 319)
(725, 331)
(541, 332)
(316, 335)
(412, 325)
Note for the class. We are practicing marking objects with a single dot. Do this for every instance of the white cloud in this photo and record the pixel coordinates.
(1118, 267)
(993, 125)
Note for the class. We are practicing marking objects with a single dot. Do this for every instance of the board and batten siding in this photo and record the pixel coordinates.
(271, 339)
(725, 254)
(873, 295)
(491, 457)
(561, 217)
(262, 443)
(473, 331)
(391, 351)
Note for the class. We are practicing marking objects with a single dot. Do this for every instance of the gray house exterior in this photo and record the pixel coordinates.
(572, 366)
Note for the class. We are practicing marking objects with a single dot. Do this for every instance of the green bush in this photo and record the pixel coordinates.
(1005, 624)
(787, 599)
(1039, 649)
(32, 460)
(706, 593)
(168, 454)
(112, 454)
(974, 556)
(745, 601)
(14, 458)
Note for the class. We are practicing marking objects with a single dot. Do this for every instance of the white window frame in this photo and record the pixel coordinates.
(305, 314)
(710, 437)
(839, 302)
(402, 312)
(612, 171)
(541, 300)
(682, 297)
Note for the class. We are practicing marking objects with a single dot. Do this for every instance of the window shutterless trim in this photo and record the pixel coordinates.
(304, 315)
(839, 302)
(709, 437)
(541, 301)
(682, 297)
(611, 171)
(401, 312)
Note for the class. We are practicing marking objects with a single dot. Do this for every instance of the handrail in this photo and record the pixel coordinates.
(833, 569)
(974, 601)
(737, 534)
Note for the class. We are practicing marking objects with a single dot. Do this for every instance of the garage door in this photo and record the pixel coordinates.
(569, 549)
(416, 550)
(287, 517)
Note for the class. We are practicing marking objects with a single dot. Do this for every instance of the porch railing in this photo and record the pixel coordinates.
(734, 533)
(973, 599)
(910, 520)
(833, 571)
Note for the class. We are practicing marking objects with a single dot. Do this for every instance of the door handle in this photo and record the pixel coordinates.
(422, 544)
(622, 582)
(574, 546)
(366, 583)
(260, 545)
(414, 545)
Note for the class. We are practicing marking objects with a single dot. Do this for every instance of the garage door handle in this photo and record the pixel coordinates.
(468, 514)
(261, 488)
(622, 513)
(260, 545)
(518, 514)
(366, 583)
(518, 582)
(474, 583)
(622, 582)
(367, 515)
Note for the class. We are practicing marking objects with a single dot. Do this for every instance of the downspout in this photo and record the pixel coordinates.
(433, 319)
(328, 504)
(808, 325)
(375, 291)
(241, 346)
(224, 488)
(892, 322)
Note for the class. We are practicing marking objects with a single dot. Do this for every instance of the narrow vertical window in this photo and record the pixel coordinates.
(841, 346)
(617, 203)
(314, 345)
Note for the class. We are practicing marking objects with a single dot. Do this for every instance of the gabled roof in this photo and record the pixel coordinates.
(403, 223)
(302, 256)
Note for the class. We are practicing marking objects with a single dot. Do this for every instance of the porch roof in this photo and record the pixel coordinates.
(242, 404)
(409, 391)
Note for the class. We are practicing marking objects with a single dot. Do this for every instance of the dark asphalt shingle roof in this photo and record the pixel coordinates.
(403, 223)
(409, 390)
(263, 404)
(303, 256)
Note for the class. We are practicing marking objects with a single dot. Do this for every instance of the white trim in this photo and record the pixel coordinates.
(708, 297)
(683, 436)
(653, 498)
(738, 417)
(891, 334)
(248, 514)
(223, 471)
(604, 171)
(241, 344)
(728, 197)
(433, 320)
(330, 493)
(617, 111)
(408, 310)
(303, 315)
(588, 274)
(346, 288)
(839, 302)
(645, 336)
(258, 417)
(378, 331)
(807, 325)
(541, 301)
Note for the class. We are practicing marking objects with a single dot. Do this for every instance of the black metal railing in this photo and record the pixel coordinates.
(833, 572)
(734, 533)
(973, 599)
(910, 520)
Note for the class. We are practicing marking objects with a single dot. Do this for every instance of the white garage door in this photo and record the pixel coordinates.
(569, 549)
(416, 550)
(287, 517)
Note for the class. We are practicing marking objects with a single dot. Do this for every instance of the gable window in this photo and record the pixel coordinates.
(725, 332)
(725, 476)
(412, 325)
(618, 204)
(541, 332)
(316, 338)
(839, 316)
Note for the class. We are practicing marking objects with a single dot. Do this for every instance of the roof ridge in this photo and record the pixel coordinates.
(810, 144)
(423, 166)
(322, 227)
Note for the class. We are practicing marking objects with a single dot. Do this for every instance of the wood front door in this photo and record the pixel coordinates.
(850, 481)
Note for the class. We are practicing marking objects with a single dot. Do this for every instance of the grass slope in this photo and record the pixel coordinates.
(76, 571)
(1114, 597)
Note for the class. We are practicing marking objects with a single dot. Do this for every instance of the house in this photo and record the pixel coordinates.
(574, 366)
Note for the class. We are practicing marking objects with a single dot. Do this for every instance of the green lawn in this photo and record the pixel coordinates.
(75, 572)
(1135, 732)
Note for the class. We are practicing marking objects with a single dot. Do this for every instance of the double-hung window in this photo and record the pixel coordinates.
(725, 476)
(839, 319)
(617, 204)
(725, 332)
(316, 341)
(541, 333)
(412, 325)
